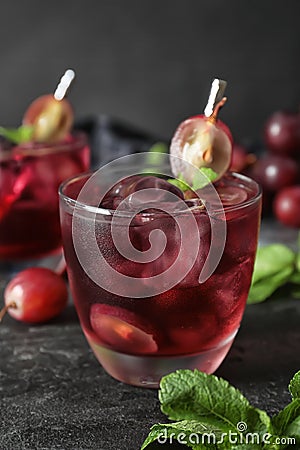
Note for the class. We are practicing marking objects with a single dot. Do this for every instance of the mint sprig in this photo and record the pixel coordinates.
(19, 135)
(275, 265)
(208, 412)
(182, 397)
(180, 183)
(199, 180)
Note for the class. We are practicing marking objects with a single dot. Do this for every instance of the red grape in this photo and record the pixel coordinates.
(240, 158)
(282, 133)
(35, 295)
(286, 206)
(275, 172)
(202, 143)
(52, 119)
(122, 329)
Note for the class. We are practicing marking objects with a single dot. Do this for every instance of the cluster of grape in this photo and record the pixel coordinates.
(278, 169)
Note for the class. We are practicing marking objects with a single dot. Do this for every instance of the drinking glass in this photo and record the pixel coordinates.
(30, 175)
(162, 287)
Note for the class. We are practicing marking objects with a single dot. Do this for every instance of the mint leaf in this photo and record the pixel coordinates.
(293, 430)
(298, 262)
(201, 181)
(275, 265)
(295, 278)
(155, 159)
(159, 147)
(271, 259)
(17, 135)
(264, 288)
(286, 417)
(179, 183)
(190, 433)
(197, 436)
(194, 395)
(287, 421)
(298, 254)
(294, 386)
(154, 156)
(208, 411)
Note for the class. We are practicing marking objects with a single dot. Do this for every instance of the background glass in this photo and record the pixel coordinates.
(29, 221)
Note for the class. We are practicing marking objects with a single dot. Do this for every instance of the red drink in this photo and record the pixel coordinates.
(139, 338)
(29, 178)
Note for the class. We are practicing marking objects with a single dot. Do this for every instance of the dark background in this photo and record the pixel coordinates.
(151, 62)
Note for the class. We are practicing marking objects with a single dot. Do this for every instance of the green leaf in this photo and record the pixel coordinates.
(190, 433)
(298, 254)
(293, 430)
(287, 421)
(271, 259)
(154, 156)
(295, 278)
(201, 181)
(179, 183)
(298, 262)
(155, 159)
(17, 135)
(159, 147)
(264, 288)
(208, 410)
(286, 417)
(212, 401)
(294, 386)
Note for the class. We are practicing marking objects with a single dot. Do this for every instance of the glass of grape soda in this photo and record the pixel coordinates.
(160, 251)
(34, 160)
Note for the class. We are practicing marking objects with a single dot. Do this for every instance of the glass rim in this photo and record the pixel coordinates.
(30, 149)
(74, 203)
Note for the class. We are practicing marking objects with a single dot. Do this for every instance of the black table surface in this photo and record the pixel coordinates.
(55, 395)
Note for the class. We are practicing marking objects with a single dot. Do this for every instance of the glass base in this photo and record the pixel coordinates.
(9, 268)
(146, 371)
